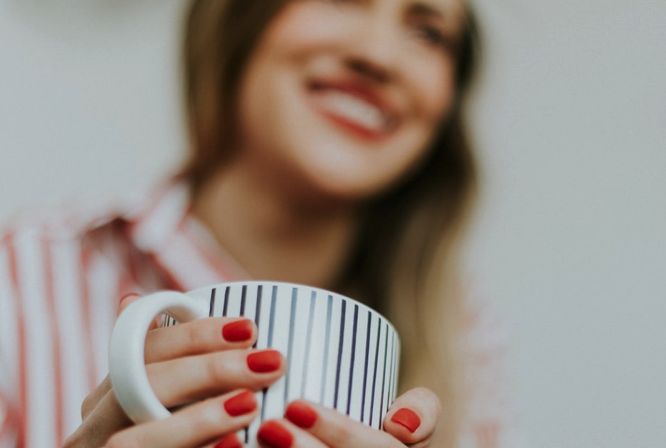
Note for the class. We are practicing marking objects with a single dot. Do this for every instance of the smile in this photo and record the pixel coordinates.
(355, 109)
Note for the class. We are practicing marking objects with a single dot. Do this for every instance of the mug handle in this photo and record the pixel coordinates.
(127, 369)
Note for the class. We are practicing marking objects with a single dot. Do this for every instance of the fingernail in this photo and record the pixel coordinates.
(128, 296)
(264, 361)
(230, 441)
(274, 435)
(237, 331)
(240, 404)
(301, 415)
(407, 418)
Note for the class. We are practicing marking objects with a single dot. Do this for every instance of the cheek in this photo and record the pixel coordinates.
(303, 25)
(433, 89)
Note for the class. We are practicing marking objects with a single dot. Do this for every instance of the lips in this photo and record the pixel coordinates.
(355, 107)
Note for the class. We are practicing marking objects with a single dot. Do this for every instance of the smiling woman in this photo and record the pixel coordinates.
(327, 147)
(358, 105)
(348, 96)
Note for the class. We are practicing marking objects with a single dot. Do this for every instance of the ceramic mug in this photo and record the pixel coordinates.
(340, 353)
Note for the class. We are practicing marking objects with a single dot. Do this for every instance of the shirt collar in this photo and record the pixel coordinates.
(165, 229)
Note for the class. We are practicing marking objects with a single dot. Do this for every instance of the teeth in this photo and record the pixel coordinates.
(354, 109)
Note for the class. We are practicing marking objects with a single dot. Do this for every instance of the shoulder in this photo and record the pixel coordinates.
(70, 221)
(33, 240)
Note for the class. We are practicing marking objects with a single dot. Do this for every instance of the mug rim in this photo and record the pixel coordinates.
(299, 285)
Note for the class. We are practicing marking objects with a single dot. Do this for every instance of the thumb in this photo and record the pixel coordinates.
(413, 416)
(126, 301)
(129, 299)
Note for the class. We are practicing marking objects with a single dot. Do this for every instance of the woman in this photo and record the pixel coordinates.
(317, 127)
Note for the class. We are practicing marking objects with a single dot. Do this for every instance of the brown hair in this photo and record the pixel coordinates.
(403, 266)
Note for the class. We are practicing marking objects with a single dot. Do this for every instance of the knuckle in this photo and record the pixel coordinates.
(346, 433)
(197, 334)
(87, 406)
(427, 398)
(92, 399)
(206, 420)
(217, 369)
(343, 434)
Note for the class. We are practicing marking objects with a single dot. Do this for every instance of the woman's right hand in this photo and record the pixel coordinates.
(206, 368)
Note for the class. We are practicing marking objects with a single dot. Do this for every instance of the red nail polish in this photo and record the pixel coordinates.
(274, 435)
(264, 361)
(301, 415)
(243, 403)
(237, 331)
(230, 441)
(407, 418)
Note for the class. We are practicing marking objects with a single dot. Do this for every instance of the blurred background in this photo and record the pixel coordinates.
(570, 121)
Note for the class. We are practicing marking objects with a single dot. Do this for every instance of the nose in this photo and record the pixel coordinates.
(373, 51)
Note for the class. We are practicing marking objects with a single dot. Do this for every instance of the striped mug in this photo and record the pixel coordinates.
(340, 353)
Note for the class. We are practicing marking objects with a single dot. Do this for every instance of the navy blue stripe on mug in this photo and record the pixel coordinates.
(338, 352)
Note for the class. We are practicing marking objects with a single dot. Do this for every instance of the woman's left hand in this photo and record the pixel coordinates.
(411, 420)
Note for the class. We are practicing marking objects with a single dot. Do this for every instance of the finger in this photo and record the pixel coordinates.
(194, 425)
(101, 390)
(91, 401)
(190, 338)
(94, 397)
(184, 380)
(198, 337)
(335, 429)
(130, 298)
(228, 441)
(104, 420)
(413, 416)
(126, 300)
(284, 434)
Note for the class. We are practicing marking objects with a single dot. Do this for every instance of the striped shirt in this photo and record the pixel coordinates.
(61, 278)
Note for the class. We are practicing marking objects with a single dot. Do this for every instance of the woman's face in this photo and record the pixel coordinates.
(342, 97)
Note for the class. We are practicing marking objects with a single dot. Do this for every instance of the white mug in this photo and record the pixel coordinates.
(340, 353)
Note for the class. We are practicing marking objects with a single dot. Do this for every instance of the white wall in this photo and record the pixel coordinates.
(88, 98)
(571, 124)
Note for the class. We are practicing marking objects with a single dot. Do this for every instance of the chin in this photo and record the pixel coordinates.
(355, 173)
(345, 184)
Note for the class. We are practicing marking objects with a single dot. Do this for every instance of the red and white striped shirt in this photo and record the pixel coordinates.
(60, 282)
